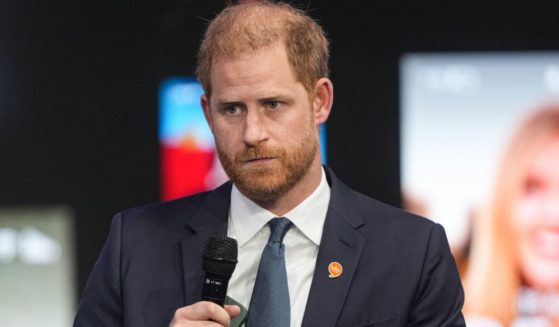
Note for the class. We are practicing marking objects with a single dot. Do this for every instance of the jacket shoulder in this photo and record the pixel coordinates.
(175, 214)
(375, 211)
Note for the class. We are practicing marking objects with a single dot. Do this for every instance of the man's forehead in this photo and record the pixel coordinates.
(278, 47)
(268, 67)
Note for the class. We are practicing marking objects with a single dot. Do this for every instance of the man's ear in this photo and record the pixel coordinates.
(205, 102)
(322, 100)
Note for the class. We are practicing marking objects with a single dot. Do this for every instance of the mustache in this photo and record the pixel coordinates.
(257, 152)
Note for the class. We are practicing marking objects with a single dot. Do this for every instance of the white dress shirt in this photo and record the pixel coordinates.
(247, 224)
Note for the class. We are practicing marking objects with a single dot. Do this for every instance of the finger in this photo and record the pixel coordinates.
(202, 311)
(190, 323)
(233, 310)
(196, 324)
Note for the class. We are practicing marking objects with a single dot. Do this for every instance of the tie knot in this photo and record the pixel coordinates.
(278, 228)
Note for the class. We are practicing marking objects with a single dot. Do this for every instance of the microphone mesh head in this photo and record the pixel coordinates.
(220, 255)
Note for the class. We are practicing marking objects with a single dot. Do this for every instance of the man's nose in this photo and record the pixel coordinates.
(255, 127)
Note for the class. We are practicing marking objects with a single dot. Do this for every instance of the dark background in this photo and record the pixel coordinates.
(79, 83)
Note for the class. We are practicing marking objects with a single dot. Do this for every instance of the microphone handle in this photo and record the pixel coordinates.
(215, 288)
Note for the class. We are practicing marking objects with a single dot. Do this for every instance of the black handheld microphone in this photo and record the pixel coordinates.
(218, 262)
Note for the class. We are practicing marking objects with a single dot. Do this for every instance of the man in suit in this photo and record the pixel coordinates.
(350, 260)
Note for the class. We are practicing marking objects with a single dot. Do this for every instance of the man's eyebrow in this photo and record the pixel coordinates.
(226, 102)
(278, 97)
(284, 98)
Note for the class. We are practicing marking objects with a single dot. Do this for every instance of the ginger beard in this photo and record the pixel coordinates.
(265, 183)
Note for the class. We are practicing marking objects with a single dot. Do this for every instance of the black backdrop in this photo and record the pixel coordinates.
(79, 81)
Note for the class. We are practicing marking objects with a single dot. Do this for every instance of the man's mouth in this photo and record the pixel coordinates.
(259, 160)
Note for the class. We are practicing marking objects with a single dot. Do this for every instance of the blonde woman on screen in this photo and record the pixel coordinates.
(512, 277)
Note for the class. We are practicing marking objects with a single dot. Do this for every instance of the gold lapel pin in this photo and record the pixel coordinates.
(335, 269)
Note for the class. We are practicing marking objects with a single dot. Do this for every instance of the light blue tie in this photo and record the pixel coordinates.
(269, 305)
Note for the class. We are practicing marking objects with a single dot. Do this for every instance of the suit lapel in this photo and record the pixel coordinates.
(340, 243)
(210, 219)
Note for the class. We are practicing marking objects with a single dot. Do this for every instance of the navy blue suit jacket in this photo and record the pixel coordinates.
(397, 267)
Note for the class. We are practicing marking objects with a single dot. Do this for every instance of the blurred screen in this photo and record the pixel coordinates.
(37, 285)
(479, 154)
(189, 162)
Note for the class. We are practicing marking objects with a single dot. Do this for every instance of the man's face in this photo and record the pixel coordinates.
(262, 121)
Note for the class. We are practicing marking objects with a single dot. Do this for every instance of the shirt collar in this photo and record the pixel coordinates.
(248, 217)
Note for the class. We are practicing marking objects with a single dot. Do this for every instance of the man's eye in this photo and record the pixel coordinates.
(233, 110)
(273, 104)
